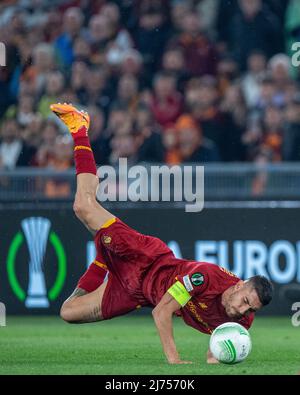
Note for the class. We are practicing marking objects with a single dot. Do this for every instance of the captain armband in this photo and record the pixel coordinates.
(179, 293)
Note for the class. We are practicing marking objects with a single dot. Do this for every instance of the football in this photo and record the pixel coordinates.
(230, 343)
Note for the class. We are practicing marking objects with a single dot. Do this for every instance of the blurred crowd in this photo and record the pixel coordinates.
(163, 80)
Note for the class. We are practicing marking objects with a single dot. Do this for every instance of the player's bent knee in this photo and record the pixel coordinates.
(67, 313)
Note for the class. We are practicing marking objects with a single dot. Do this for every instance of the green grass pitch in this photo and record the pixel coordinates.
(130, 345)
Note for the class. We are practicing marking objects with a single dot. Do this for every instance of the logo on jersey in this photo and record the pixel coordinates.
(197, 279)
(187, 283)
(106, 239)
(202, 305)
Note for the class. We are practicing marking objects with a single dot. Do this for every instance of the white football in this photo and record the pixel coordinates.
(230, 343)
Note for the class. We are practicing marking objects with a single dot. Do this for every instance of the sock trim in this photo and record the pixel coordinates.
(100, 264)
(78, 147)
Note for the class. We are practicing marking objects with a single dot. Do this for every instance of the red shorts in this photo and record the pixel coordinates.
(127, 255)
(115, 300)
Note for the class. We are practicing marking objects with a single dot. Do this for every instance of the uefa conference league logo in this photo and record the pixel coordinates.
(37, 233)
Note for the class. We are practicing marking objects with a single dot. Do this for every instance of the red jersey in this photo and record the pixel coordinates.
(143, 268)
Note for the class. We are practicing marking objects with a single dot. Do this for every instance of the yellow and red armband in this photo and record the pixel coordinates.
(179, 293)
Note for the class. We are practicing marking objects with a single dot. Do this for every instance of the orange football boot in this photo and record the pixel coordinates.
(74, 119)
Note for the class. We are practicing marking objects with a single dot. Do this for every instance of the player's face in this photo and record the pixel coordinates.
(241, 301)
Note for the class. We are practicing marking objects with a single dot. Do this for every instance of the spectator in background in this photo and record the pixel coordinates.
(291, 131)
(31, 134)
(291, 91)
(208, 11)
(178, 10)
(128, 17)
(256, 71)
(226, 10)
(280, 66)
(132, 63)
(72, 23)
(24, 64)
(55, 83)
(43, 62)
(124, 144)
(62, 159)
(121, 41)
(100, 33)
(251, 27)
(152, 31)
(24, 112)
(227, 73)
(52, 25)
(99, 143)
(82, 51)
(199, 52)
(234, 105)
(279, 8)
(193, 147)
(95, 88)
(150, 148)
(170, 141)
(45, 152)
(173, 62)
(251, 138)
(166, 103)
(202, 97)
(118, 116)
(6, 98)
(234, 112)
(269, 148)
(271, 142)
(89, 84)
(78, 80)
(267, 96)
(112, 12)
(14, 151)
(128, 92)
(88, 7)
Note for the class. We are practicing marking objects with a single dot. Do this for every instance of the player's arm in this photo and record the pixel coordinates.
(162, 315)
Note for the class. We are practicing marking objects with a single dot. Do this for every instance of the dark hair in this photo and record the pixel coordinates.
(263, 288)
(257, 52)
(164, 74)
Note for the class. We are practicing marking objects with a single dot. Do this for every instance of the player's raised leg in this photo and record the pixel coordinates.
(83, 305)
(86, 207)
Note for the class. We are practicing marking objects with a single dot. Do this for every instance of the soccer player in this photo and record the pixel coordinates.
(142, 270)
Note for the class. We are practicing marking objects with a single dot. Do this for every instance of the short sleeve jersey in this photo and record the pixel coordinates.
(206, 282)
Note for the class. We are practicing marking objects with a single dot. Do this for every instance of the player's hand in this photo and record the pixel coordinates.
(212, 361)
(179, 362)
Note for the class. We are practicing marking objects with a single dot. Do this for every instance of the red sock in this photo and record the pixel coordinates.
(92, 278)
(83, 154)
